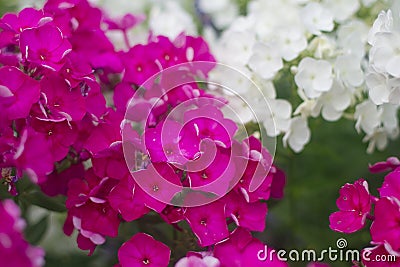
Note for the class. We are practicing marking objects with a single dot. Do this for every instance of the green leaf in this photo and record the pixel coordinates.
(50, 203)
(34, 233)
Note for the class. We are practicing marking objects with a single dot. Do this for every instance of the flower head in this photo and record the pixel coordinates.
(142, 250)
(44, 46)
(354, 204)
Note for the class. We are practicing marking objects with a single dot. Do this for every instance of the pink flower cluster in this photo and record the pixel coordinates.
(57, 69)
(355, 207)
(14, 250)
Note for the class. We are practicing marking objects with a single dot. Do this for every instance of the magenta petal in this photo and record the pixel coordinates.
(208, 223)
(391, 185)
(355, 197)
(84, 243)
(390, 164)
(278, 184)
(251, 216)
(19, 92)
(124, 200)
(385, 227)
(371, 257)
(143, 250)
(346, 221)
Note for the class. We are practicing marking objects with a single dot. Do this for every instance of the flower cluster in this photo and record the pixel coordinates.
(112, 131)
(305, 65)
(14, 250)
(300, 44)
(53, 106)
(355, 207)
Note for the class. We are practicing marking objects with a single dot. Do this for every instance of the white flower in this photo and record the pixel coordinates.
(292, 42)
(378, 139)
(390, 121)
(170, 19)
(368, 3)
(323, 47)
(394, 85)
(377, 84)
(277, 120)
(213, 6)
(235, 80)
(235, 48)
(265, 61)
(352, 36)
(306, 108)
(223, 12)
(316, 18)
(384, 23)
(389, 128)
(253, 105)
(342, 9)
(314, 76)
(298, 135)
(271, 15)
(385, 53)
(332, 104)
(367, 117)
(348, 70)
(266, 86)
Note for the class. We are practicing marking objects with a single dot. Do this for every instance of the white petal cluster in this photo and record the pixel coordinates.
(314, 77)
(170, 19)
(382, 81)
(223, 12)
(316, 18)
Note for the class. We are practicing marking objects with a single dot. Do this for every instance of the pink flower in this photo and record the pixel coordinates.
(33, 156)
(125, 22)
(169, 142)
(44, 46)
(208, 223)
(96, 134)
(378, 256)
(388, 165)
(261, 178)
(198, 260)
(142, 250)
(172, 214)
(139, 64)
(59, 136)
(18, 92)
(208, 122)
(13, 24)
(93, 47)
(89, 210)
(385, 228)
(14, 250)
(58, 101)
(77, 71)
(127, 199)
(110, 162)
(220, 166)
(158, 184)
(354, 204)
(241, 249)
(278, 183)
(391, 185)
(247, 215)
(57, 182)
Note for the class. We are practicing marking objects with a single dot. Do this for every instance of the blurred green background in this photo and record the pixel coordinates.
(336, 155)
